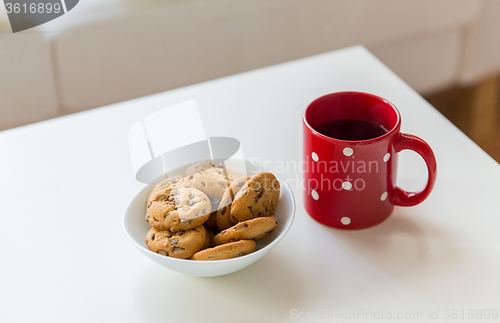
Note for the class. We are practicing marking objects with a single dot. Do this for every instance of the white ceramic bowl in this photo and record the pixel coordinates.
(136, 228)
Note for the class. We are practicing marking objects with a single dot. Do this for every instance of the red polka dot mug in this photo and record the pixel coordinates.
(351, 141)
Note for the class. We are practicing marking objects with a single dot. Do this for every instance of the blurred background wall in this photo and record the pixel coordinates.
(107, 51)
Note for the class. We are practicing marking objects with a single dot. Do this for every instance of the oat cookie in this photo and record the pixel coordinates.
(177, 209)
(180, 244)
(254, 229)
(211, 223)
(224, 209)
(226, 251)
(210, 179)
(209, 239)
(210, 167)
(169, 183)
(214, 185)
(257, 198)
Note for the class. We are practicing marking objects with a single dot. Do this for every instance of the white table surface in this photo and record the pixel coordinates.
(65, 183)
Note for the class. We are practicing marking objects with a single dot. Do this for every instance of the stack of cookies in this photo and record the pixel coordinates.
(211, 213)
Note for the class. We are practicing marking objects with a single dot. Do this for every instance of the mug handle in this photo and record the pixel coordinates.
(406, 141)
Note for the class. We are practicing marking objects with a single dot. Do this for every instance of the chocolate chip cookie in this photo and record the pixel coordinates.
(209, 240)
(181, 244)
(224, 209)
(169, 183)
(210, 179)
(226, 251)
(258, 197)
(254, 229)
(177, 209)
(210, 167)
(212, 184)
(211, 223)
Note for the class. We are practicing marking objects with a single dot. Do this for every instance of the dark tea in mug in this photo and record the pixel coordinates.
(351, 129)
